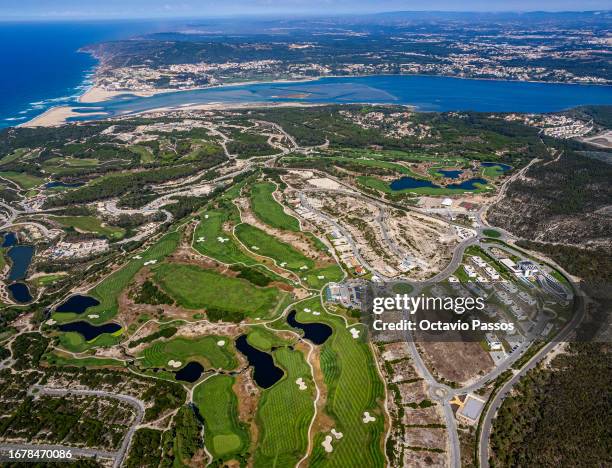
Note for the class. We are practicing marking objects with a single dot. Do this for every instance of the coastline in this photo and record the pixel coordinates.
(95, 94)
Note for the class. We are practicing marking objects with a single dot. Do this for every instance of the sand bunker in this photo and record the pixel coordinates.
(336, 434)
(221, 343)
(175, 364)
(300, 383)
(327, 444)
(354, 332)
(367, 417)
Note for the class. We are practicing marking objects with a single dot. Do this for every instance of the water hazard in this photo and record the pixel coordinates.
(265, 372)
(20, 292)
(190, 373)
(77, 304)
(89, 331)
(317, 333)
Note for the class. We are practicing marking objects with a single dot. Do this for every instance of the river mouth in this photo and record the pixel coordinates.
(190, 373)
(20, 292)
(77, 304)
(265, 372)
(89, 331)
(315, 332)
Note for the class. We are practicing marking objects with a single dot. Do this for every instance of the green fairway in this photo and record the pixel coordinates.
(196, 288)
(211, 240)
(354, 386)
(268, 210)
(319, 277)
(90, 224)
(493, 171)
(284, 413)
(264, 244)
(224, 435)
(264, 339)
(24, 180)
(205, 350)
(109, 289)
(46, 279)
(74, 342)
(56, 359)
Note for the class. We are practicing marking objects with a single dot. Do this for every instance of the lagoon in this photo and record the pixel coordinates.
(425, 93)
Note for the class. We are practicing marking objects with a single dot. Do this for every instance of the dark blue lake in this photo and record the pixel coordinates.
(426, 93)
(408, 182)
(265, 372)
(470, 184)
(21, 257)
(317, 333)
(77, 304)
(9, 239)
(20, 292)
(190, 373)
(450, 173)
(88, 330)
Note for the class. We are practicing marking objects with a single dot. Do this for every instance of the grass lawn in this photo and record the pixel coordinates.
(145, 153)
(268, 210)
(211, 229)
(402, 288)
(354, 386)
(205, 350)
(196, 288)
(284, 413)
(109, 289)
(217, 402)
(19, 152)
(90, 224)
(270, 246)
(25, 181)
(491, 233)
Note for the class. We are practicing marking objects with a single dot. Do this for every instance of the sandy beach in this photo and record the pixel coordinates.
(55, 116)
(97, 94)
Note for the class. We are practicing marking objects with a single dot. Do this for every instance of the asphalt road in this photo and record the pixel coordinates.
(119, 455)
(485, 432)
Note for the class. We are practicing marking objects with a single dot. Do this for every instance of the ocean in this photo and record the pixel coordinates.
(40, 66)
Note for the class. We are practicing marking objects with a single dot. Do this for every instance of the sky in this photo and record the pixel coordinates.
(129, 9)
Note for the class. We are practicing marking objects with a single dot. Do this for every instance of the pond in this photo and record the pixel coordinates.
(21, 256)
(408, 182)
(190, 373)
(9, 239)
(77, 304)
(88, 330)
(57, 183)
(20, 292)
(469, 184)
(265, 372)
(317, 333)
(450, 173)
